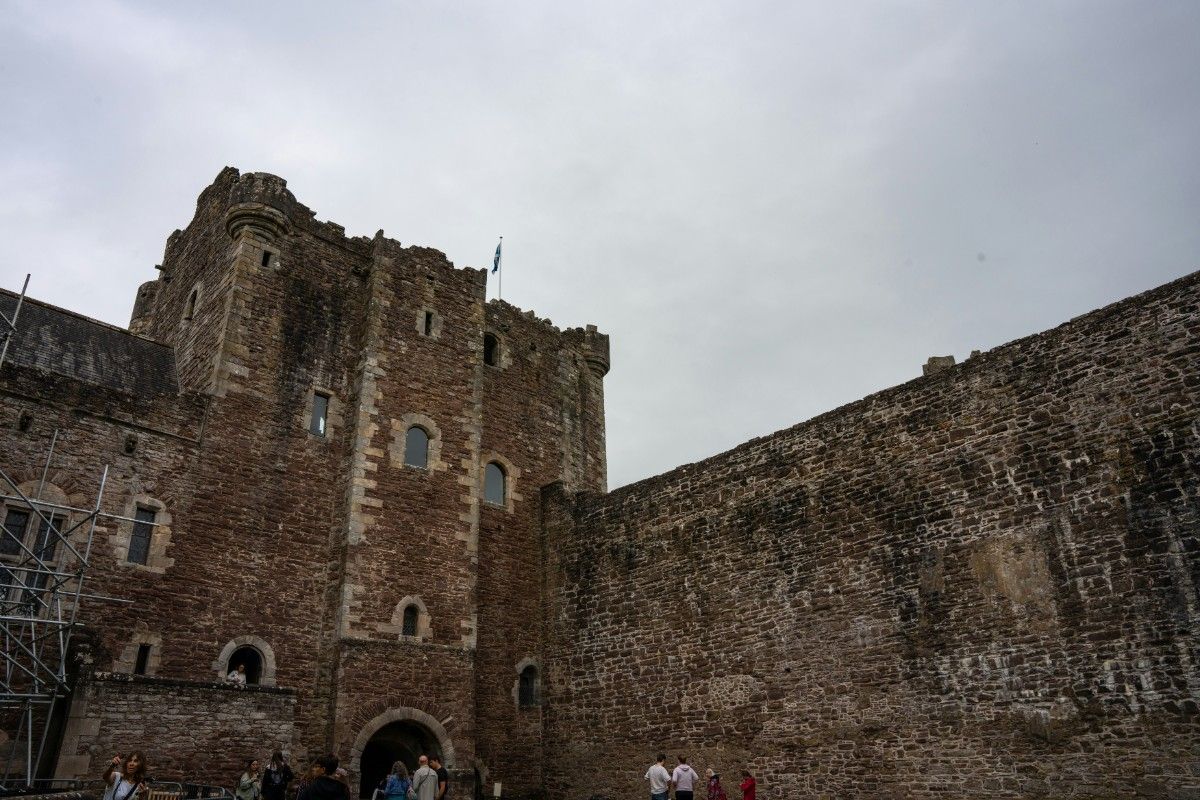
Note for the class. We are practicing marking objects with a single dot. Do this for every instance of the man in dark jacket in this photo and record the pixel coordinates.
(326, 786)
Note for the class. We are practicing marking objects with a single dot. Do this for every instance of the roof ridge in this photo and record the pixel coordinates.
(84, 317)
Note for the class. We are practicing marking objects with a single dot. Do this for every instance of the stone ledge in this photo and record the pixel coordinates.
(154, 680)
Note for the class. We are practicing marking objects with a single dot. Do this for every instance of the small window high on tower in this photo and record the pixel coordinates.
(491, 350)
(320, 414)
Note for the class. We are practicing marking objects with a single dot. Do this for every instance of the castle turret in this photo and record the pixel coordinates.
(143, 308)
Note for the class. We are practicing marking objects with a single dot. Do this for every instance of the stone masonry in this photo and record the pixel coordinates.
(981, 583)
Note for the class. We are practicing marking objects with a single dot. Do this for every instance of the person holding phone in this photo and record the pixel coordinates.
(125, 778)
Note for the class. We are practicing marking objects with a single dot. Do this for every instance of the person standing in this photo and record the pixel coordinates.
(684, 780)
(249, 786)
(660, 779)
(325, 786)
(748, 786)
(425, 781)
(124, 780)
(276, 777)
(398, 782)
(715, 790)
(443, 777)
(237, 676)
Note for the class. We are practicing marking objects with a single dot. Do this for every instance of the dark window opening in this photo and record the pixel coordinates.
(429, 323)
(48, 538)
(251, 659)
(410, 621)
(527, 693)
(493, 484)
(320, 412)
(143, 659)
(139, 542)
(416, 448)
(130, 444)
(14, 531)
(266, 259)
(491, 350)
(24, 422)
(191, 305)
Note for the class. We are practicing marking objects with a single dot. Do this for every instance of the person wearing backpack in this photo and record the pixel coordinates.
(398, 783)
(276, 777)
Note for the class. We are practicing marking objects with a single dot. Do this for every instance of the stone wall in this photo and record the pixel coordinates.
(189, 731)
(981, 583)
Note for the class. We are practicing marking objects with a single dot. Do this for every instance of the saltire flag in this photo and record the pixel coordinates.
(496, 260)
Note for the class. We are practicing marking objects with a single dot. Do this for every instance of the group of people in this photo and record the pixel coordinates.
(326, 780)
(683, 780)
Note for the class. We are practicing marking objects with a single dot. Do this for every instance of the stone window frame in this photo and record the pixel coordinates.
(50, 496)
(400, 428)
(424, 621)
(512, 474)
(221, 664)
(157, 560)
(523, 665)
(502, 355)
(191, 303)
(435, 328)
(126, 662)
(333, 413)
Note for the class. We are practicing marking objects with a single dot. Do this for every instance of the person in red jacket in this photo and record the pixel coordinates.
(747, 785)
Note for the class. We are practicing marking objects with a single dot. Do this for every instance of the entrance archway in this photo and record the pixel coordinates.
(403, 740)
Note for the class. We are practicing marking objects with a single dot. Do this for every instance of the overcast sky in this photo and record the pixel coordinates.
(773, 208)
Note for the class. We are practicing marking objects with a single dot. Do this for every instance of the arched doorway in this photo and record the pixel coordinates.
(403, 740)
(253, 660)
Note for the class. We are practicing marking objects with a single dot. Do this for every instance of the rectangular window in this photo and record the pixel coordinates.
(139, 542)
(47, 540)
(14, 531)
(143, 659)
(320, 411)
(428, 323)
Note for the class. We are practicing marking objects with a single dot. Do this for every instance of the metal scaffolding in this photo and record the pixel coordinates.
(45, 548)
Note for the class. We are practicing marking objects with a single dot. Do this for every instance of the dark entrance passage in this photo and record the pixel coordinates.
(251, 658)
(397, 741)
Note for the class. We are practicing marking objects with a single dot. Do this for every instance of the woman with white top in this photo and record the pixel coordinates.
(126, 781)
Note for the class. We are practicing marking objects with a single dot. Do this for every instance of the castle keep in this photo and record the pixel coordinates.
(331, 460)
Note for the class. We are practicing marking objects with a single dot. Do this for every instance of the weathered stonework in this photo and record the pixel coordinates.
(981, 583)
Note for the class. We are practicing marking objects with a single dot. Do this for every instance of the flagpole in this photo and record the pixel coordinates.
(500, 272)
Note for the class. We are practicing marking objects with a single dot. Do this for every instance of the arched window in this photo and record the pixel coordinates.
(251, 662)
(410, 620)
(493, 484)
(416, 447)
(491, 350)
(527, 689)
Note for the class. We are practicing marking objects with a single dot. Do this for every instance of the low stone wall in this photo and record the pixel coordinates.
(189, 730)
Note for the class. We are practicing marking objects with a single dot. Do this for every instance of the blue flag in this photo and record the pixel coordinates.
(496, 260)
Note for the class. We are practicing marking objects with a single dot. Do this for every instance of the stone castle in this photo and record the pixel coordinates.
(339, 466)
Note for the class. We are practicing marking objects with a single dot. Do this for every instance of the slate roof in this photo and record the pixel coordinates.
(62, 342)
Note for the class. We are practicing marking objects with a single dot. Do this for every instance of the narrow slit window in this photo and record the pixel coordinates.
(14, 531)
(139, 542)
(493, 484)
(320, 414)
(143, 659)
(416, 447)
(491, 350)
(429, 323)
(266, 258)
(190, 310)
(410, 621)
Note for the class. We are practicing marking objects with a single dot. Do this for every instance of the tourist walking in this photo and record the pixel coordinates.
(276, 777)
(125, 778)
(425, 781)
(660, 779)
(249, 785)
(398, 783)
(684, 780)
(435, 763)
(748, 786)
(715, 790)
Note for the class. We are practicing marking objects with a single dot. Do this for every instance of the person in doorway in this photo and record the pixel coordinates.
(125, 778)
(237, 675)
(435, 762)
(660, 779)
(684, 780)
(425, 781)
(748, 785)
(398, 783)
(276, 777)
(715, 790)
(325, 786)
(249, 785)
